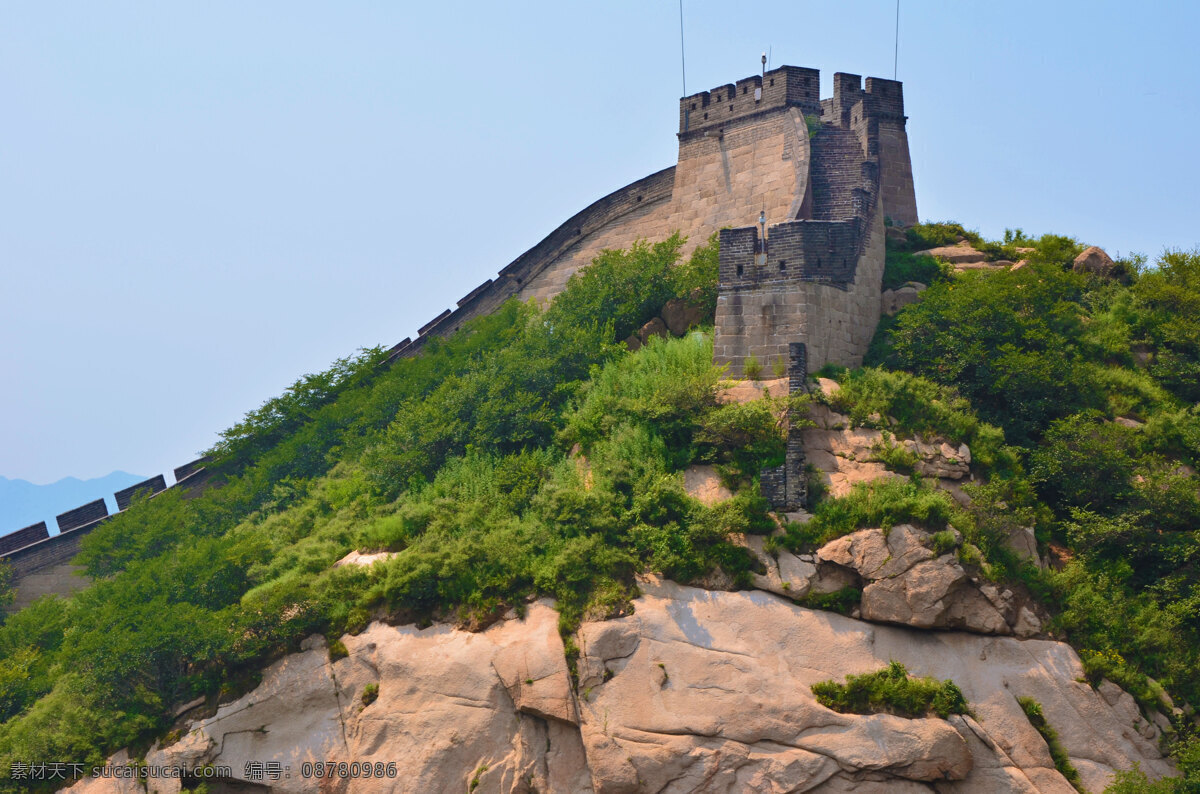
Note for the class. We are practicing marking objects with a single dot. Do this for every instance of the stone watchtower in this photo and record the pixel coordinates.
(768, 145)
(821, 173)
(815, 277)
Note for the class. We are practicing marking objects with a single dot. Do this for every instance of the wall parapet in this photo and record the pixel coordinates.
(787, 86)
(489, 295)
(33, 547)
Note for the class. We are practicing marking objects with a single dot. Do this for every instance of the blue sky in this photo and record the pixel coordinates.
(201, 201)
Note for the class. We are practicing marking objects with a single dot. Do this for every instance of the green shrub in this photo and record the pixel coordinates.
(1008, 341)
(896, 456)
(1085, 461)
(748, 436)
(882, 503)
(892, 691)
(943, 542)
(842, 601)
(901, 267)
(1165, 316)
(1186, 753)
(751, 367)
(370, 694)
(935, 235)
(1033, 710)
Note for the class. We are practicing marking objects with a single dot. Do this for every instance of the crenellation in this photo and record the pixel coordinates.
(72, 519)
(148, 487)
(23, 537)
(885, 98)
(40, 562)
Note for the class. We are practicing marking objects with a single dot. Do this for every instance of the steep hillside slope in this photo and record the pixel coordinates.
(568, 558)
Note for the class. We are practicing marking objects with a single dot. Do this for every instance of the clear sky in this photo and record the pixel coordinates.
(200, 201)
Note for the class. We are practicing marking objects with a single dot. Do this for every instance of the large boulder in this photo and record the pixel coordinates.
(893, 300)
(701, 691)
(694, 691)
(905, 582)
(1095, 261)
(452, 707)
(896, 235)
(703, 483)
(654, 327)
(682, 314)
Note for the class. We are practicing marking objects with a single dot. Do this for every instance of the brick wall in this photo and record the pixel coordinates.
(23, 537)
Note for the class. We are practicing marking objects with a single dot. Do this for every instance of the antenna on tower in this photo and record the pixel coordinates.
(896, 48)
(682, 59)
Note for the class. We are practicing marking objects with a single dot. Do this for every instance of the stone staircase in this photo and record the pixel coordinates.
(836, 171)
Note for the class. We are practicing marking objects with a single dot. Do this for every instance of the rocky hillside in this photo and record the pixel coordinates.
(536, 558)
(697, 690)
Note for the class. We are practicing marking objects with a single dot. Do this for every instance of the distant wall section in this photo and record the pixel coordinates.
(41, 562)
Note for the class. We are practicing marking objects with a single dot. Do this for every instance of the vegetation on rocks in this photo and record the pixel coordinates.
(892, 691)
(1033, 710)
(528, 455)
(532, 454)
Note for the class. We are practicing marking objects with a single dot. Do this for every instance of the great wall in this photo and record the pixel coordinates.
(820, 177)
(41, 562)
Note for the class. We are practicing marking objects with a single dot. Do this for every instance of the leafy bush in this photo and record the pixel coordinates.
(751, 367)
(901, 267)
(842, 601)
(892, 691)
(1009, 341)
(882, 503)
(1166, 318)
(1085, 461)
(1186, 753)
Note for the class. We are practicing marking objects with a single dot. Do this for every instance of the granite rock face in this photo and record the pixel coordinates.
(452, 707)
(696, 691)
(710, 691)
(848, 455)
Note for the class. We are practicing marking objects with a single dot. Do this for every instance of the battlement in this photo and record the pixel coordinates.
(787, 86)
(885, 97)
(850, 105)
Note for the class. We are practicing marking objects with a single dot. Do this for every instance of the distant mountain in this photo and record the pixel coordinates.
(23, 503)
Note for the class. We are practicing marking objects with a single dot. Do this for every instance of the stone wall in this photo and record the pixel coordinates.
(835, 318)
(752, 165)
(744, 148)
(750, 155)
(41, 562)
(817, 280)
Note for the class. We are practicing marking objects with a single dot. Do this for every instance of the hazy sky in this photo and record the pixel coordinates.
(201, 201)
